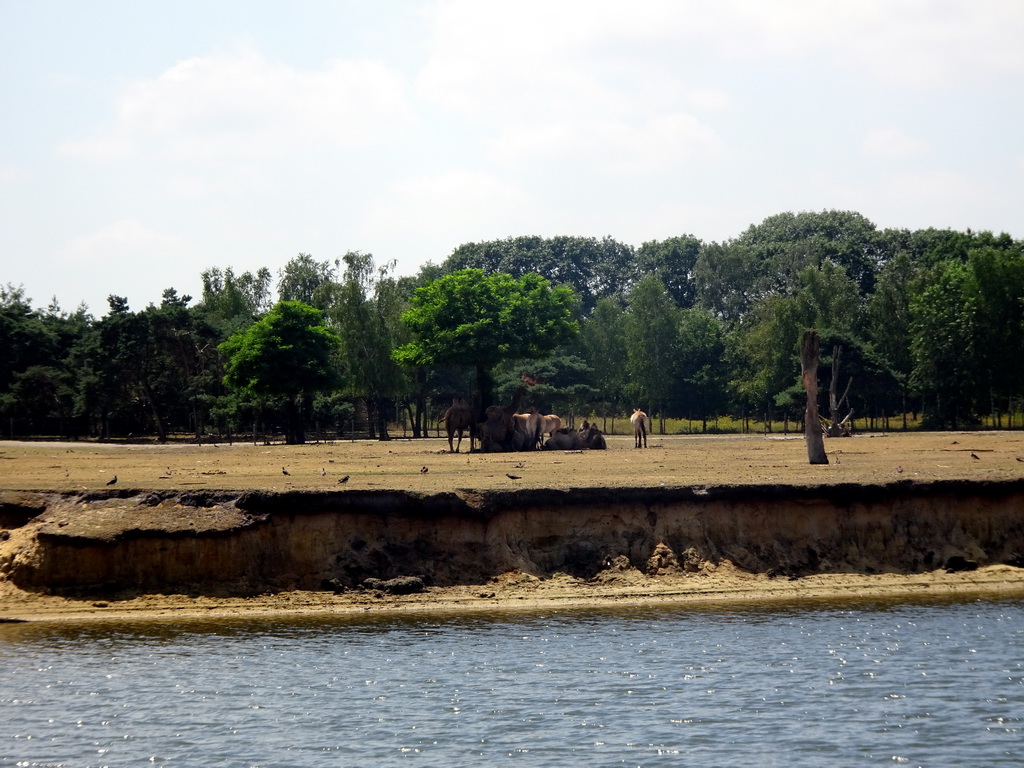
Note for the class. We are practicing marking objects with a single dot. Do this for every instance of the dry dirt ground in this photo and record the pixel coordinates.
(426, 466)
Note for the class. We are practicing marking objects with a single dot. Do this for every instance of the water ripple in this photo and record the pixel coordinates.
(925, 684)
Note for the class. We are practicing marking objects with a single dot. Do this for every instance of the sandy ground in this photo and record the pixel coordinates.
(518, 591)
(426, 466)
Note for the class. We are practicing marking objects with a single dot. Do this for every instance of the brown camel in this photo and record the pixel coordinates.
(590, 437)
(498, 428)
(457, 419)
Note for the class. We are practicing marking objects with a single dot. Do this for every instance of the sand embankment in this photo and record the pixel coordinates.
(316, 548)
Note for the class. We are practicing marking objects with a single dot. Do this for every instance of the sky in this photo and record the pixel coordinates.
(142, 143)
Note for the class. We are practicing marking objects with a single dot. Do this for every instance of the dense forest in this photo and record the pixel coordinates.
(919, 328)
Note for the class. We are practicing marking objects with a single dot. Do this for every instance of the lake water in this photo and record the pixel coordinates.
(852, 684)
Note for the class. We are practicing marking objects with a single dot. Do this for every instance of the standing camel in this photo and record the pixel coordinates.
(639, 420)
(458, 419)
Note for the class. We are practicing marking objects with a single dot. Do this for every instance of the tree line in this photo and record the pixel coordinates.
(927, 325)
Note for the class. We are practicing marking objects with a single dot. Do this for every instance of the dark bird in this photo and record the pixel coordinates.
(424, 470)
(112, 480)
(343, 480)
(285, 471)
(975, 456)
(513, 477)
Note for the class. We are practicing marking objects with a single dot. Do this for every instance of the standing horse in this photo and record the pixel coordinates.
(639, 420)
(458, 419)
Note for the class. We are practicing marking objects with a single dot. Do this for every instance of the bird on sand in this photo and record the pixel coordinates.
(900, 470)
(323, 472)
(112, 480)
(975, 456)
(424, 470)
(513, 477)
(285, 471)
(343, 480)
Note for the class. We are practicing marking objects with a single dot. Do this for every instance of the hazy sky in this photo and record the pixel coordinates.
(143, 142)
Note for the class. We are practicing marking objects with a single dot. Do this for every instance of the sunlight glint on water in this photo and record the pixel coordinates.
(927, 684)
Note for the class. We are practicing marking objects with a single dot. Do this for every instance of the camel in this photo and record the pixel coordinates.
(498, 428)
(457, 419)
(593, 437)
(566, 439)
(639, 420)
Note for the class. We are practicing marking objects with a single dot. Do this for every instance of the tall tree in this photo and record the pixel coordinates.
(673, 262)
(603, 344)
(366, 311)
(233, 301)
(471, 318)
(700, 365)
(651, 333)
(287, 354)
(943, 318)
(307, 280)
(592, 268)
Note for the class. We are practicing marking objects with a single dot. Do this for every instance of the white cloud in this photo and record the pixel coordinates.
(242, 105)
(891, 143)
(14, 174)
(621, 147)
(123, 242)
(444, 210)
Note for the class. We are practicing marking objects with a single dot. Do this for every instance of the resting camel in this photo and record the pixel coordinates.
(458, 419)
(568, 440)
(639, 420)
(497, 431)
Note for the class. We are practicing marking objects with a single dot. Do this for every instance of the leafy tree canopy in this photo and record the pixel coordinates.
(285, 353)
(471, 318)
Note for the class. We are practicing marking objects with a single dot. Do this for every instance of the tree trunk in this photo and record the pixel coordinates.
(809, 347)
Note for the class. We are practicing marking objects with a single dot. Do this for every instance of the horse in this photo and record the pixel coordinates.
(457, 419)
(639, 420)
(549, 425)
(527, 434)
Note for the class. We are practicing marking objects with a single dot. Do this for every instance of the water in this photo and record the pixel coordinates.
(935, 684)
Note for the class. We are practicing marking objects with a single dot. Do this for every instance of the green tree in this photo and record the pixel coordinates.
(287, 354)
(673, 262)
(233, 301)
(307, 280)
(651, 334)
(592, 268)
(366, 311)
(943, 319)
(998, 280)
(603, 344)
(888, 321)
(765, 358)
(700, 365)
(471, 318)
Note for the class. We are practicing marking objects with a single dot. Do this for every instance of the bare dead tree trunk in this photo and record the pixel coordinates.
(809, 347)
